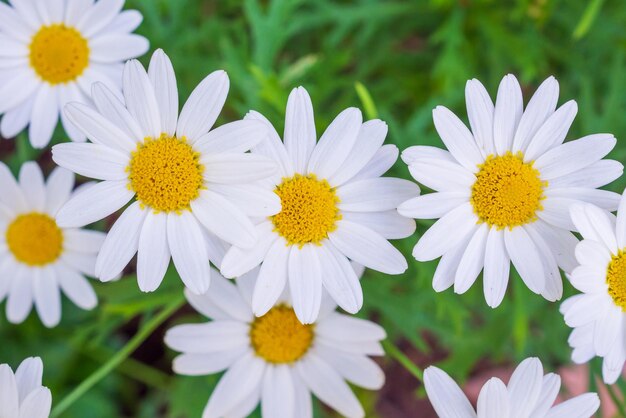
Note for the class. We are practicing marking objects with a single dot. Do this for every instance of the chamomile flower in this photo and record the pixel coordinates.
(189, 184)
(335, 208)
(52, 51)
(274, 359)
(598, 314)
(39, 259)
(503, 190)
(21, 393)
(529, 394)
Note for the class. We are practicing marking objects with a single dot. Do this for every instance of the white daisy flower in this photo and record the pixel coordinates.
(274, 359)
(335, 207)
(598, 315)
(39, 259)
(189, 183)
(21, 394)
(529, 394)
(52, 51)
(504, 190)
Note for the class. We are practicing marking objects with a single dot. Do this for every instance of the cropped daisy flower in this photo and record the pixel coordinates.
(529, 394)
(52, 51)
(39, 259)
(335, 208)
(503, 190)
(275, 359)
(598, 314)
(189, 184)
(21, 394)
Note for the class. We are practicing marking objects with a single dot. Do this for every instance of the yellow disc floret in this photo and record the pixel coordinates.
(59, 53)
(507, 191)
(616, 279)
(278, 336)
(309, 210)
(35, 239)
(165, 173)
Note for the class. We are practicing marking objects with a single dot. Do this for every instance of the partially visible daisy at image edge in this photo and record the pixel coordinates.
(503, 190)
(529, 394)
(274, 359)
(21, 393)
(191, 186)
(598, 313)
(50, 54)
(336, 207)
(39, 260)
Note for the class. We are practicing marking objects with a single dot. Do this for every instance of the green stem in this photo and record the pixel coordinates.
(118, 358)
(394, 352)
(616, 400)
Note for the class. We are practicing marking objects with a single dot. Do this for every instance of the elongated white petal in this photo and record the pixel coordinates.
(507, 113)
(188, 249)
(299, 133)
(496, 271)
(457, 138)
(305, 282)
(272, 277)
(446, 396)
(92, 160)
(552, 133)
(493, 400)
(141, 100)
(153, 252)
(480, 111)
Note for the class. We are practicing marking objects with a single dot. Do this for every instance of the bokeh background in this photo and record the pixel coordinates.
(395, 60)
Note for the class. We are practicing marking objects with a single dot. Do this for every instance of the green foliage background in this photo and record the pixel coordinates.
(409, 56)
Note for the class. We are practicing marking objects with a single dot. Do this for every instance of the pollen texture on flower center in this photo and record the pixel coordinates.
(59, 54)
(35, 239)
(165, 173)
(279, 337)
(616, 279)
(507, 191)
(309, 210)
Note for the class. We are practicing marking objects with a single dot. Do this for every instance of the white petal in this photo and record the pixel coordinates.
(299, 133)
(121, 243)
(367, 247)
(472, 261)
(234, 137)
(549, 390)
(369, 140)
(390, 224)
(433, 205)
(153, 252)
(507, 113)
(83, 240)
(9, 401)
(596, 175)
(446, 396)
(209, 337)
(94, 203)
(236, 168)
(224, 219)
(28, 376)
(243, 378)
(20, 297)
(44, 118)
(493, 400)
(272, 146)
(436, 241)
(115, 47)
(141, 99)
(15, 120)
(272, 278)
(163, 79)
(606, 331)
(480, 113)
(37, 404)
(561, 242)
(525, 387)
(588, 279)
(305, 282)
(374, 195)
(11, 196)
(126, 21)
(278, 394)
(76, 287)
(206, 363)
(67, 94)
(345, 329)
(12, 23)
(539, 108)
(553, 288)
(457, 138)
(329, 387)
(442, 175)
(75, 9)
(238, 261)
(92, 160)
(582, 309)
(620, 228)
(582, 406)
(112, 108)
(189, 251)
(47, 296)
(252, 199)
(19, 88)
(496, 271)
(605, 199)
(335, 144)
(385, 157)
(203, 106)
(99, 16)
(32, 184)
(574, 155)
(526, 258)
(340, 279)
(357, 369)
(552, 133)
(448, 265)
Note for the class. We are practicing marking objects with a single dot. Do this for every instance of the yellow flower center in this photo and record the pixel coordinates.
(616, 279)
(507, 191)
(278, 336)
(165, 173)
(309, 209)
(35, 239)
(59, 53)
